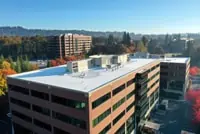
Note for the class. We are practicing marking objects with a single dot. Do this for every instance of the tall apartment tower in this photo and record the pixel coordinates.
(105, 94)
(69, 44)
(174, 77)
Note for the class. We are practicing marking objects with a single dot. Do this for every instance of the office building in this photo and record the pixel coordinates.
(174, 77)
(69, 44)
(103, 94)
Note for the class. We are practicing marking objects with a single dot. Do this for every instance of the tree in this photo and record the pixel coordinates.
(159, 50)
(1, 60)
(4, 72)
(110, 39)
(18, 66)
(10, 60)
(124, 38)
(48, 63)
(25, 65)
(128, 39)
(145, 41)
(141, 47)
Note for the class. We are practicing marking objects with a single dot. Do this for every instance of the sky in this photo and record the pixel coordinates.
(138, 16)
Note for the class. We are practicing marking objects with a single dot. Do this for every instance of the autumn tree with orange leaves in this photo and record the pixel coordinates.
(5, 70)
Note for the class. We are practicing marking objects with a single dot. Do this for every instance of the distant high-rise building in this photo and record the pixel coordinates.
(69, 44)
(105, 94)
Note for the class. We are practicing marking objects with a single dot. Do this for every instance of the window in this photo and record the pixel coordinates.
(21, 116)
(106, 129)
(130, 94)
(101, 100)
(20, 103)
(21, 130)
(68, 102)
(130, 124)
(59, 131)
(42, 125)
(41, 110)
(164, 73)
(118, 117)
(69, 120)
(118, 89)
(101, 117)
(18, 89)
(130, 106)
(40, 95)
(119, 103)
(121, 130)
(130, 82)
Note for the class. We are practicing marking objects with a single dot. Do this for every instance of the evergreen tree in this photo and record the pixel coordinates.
(18, 65)
(145, 41)
(124, 39)
(26, 64)
(128, 39)
(1, 60)
(12, 64)
(110, 39)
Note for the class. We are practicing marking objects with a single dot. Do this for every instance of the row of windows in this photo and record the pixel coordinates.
(101, 117)
(38, 123)
(130, 124)
(18, 89)
(106, 129)
(20, 103)
(130, 82)
(107, 96)
(41, 110)
(130, 106)
(45, 111)
(118, 89)
(59, 131)
(130, 94)
(68, 102)
(40, 95)
(69, 120)
(42, 124)
(121, 130)
(21, 116)
(45, 96)
(101, 100)
(119, 103)
(118, 117)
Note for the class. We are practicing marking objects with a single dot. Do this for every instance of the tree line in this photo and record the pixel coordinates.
(35, 47)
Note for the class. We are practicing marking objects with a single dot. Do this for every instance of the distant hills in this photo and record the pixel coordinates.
(21, 31)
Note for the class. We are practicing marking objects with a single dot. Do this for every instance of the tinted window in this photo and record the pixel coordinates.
(69, 120)
(101, 100)
(118, 117)
(42, 124)
(68, 102)
(40, 95)
(101, 117)
(41, 110)
(21, 116)
(20, 103)
(118, 89)
(18, 89)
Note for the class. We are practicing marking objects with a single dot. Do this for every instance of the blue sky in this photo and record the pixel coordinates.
(139, 16)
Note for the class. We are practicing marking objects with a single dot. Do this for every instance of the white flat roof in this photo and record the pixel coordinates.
(93, 78)
(176, 60)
